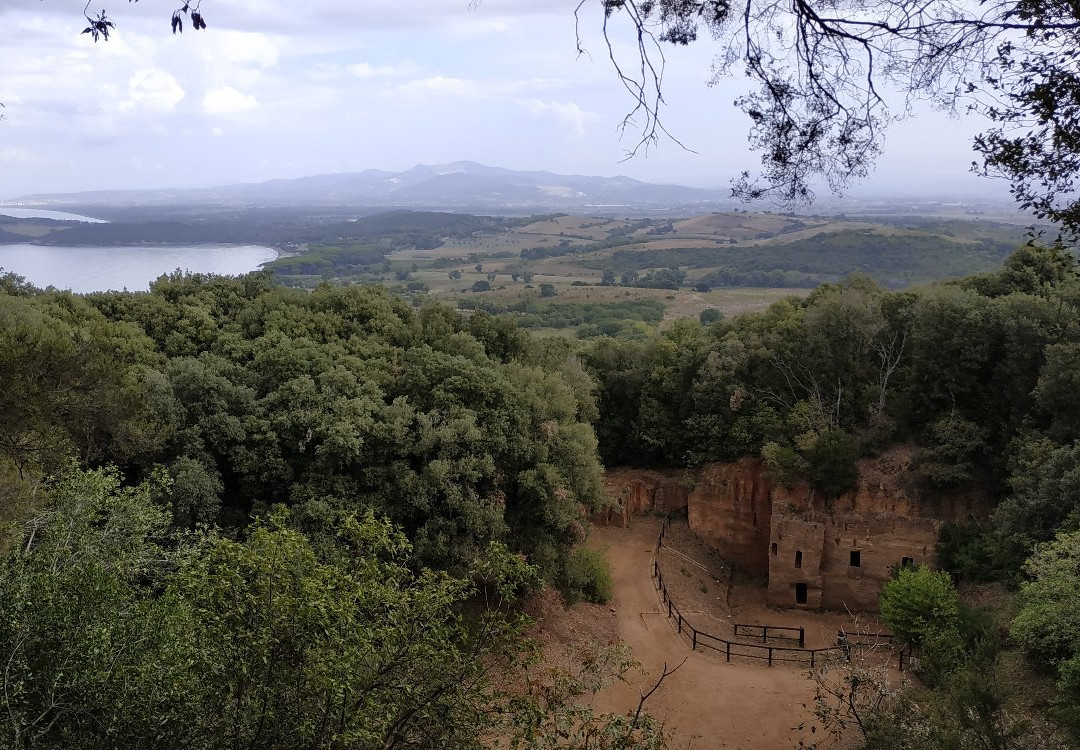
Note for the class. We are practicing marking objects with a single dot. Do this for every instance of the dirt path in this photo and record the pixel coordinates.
(707, 703)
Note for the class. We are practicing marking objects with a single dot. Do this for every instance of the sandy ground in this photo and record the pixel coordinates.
(707, 703)
(693, 574)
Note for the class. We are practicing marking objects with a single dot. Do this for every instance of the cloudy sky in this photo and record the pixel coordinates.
(287, 89)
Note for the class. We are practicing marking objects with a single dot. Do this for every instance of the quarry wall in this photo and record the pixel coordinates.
(814, 552)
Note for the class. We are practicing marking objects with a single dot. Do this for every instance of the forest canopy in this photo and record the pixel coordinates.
(161, 452)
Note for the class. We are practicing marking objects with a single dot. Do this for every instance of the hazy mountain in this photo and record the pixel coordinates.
(461, 184)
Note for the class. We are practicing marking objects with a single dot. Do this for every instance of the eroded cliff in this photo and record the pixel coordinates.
(815, 552)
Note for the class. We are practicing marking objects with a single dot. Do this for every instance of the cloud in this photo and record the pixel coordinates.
(367, 70)
(227, 49)
(504, 89)
(568, 113)
(153, 90)
(19, 156)
(226, 100)
(442, 86)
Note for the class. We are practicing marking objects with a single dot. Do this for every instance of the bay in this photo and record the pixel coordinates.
(40, 213)
(98, 269)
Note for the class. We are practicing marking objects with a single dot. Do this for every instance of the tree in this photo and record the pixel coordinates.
(119, 634)
(1044, 497)
(1048, 624)
(547, 290)
(823, 71)
(919, 604)
(710, 315)
(831, 462)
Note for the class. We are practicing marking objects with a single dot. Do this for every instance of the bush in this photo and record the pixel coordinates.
(783, 464)
(588, 576)
(710, 315)
(920, 606)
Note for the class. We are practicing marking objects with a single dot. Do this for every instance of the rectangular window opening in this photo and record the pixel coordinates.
(774, 550)
(856, 558)
(798, 559)
(907, 562)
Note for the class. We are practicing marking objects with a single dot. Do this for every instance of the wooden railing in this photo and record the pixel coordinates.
(766, 653)
(765, 632)
(762, 652)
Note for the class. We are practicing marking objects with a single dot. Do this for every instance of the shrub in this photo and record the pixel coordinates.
(588, 576)
(710, 315)
(920, 605)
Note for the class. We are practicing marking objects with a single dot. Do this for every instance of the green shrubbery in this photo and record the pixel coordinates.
(588, 576)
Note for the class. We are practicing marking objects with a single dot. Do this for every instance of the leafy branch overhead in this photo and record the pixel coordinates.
(100, 25)
(831, 76)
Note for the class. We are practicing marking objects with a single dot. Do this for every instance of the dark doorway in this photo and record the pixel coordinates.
(800, 593)
(774, 549)
(856, 558)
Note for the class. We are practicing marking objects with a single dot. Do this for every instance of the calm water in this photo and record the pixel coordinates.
(33, 213)
(97, 269)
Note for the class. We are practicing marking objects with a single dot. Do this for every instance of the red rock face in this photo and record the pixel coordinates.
(730, 508)
(641, 491)
(815, 552)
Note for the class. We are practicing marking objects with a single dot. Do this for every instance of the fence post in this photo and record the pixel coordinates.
(812, 654)
(770, 656)
(680, 622)
(802, 638)
(728, 644)
(668, 606)
(764, 633)
(693, 646)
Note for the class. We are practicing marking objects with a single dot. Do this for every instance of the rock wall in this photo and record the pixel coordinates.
(730, 509)
(641, 491)
(816, 553)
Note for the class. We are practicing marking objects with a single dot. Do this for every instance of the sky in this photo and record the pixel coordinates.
(276, 89)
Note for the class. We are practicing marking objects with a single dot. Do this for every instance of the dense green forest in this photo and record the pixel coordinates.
(980, 374)
(412, 472)
(588, 319)
(895, 261)
(272, 518)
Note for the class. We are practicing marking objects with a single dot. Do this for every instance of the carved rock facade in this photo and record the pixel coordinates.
(815, 553)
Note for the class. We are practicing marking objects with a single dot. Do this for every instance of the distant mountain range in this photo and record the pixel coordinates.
(460, 185)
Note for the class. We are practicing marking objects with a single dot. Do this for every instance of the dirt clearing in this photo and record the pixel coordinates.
(707, 703)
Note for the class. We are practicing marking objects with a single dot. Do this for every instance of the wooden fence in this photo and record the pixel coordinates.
(764, 651)
(776, 632)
